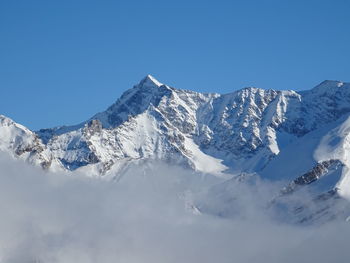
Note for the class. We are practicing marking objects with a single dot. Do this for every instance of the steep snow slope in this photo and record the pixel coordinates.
(336, 145)
(331, 142)
(149, 121)
(237, 129)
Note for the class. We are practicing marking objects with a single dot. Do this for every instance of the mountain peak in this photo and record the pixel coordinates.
(4, 120)
(328, 85)
(331, 83)
(149, 82)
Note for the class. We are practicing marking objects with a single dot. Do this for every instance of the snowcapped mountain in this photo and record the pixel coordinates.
(277, 134)
(19, 141)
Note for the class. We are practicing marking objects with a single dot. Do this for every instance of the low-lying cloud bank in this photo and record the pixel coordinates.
(147, 216)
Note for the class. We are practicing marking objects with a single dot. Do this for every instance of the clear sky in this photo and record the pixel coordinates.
(63, 61)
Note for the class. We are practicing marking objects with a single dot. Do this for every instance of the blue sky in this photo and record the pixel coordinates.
(63, 61)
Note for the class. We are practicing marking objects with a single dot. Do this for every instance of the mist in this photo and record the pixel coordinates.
(156, 213)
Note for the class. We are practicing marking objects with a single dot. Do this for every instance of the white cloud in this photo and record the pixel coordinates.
(143, 218)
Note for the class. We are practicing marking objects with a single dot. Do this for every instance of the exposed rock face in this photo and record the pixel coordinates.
(319, 170)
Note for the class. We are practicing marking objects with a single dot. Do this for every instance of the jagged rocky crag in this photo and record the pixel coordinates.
(275, 133)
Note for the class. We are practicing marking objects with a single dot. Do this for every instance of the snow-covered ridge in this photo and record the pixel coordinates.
(242, 131)
(20, 142)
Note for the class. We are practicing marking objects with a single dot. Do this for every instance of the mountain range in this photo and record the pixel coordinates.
(301, 137)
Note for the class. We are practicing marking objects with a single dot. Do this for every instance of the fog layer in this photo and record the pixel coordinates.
(149, 215)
